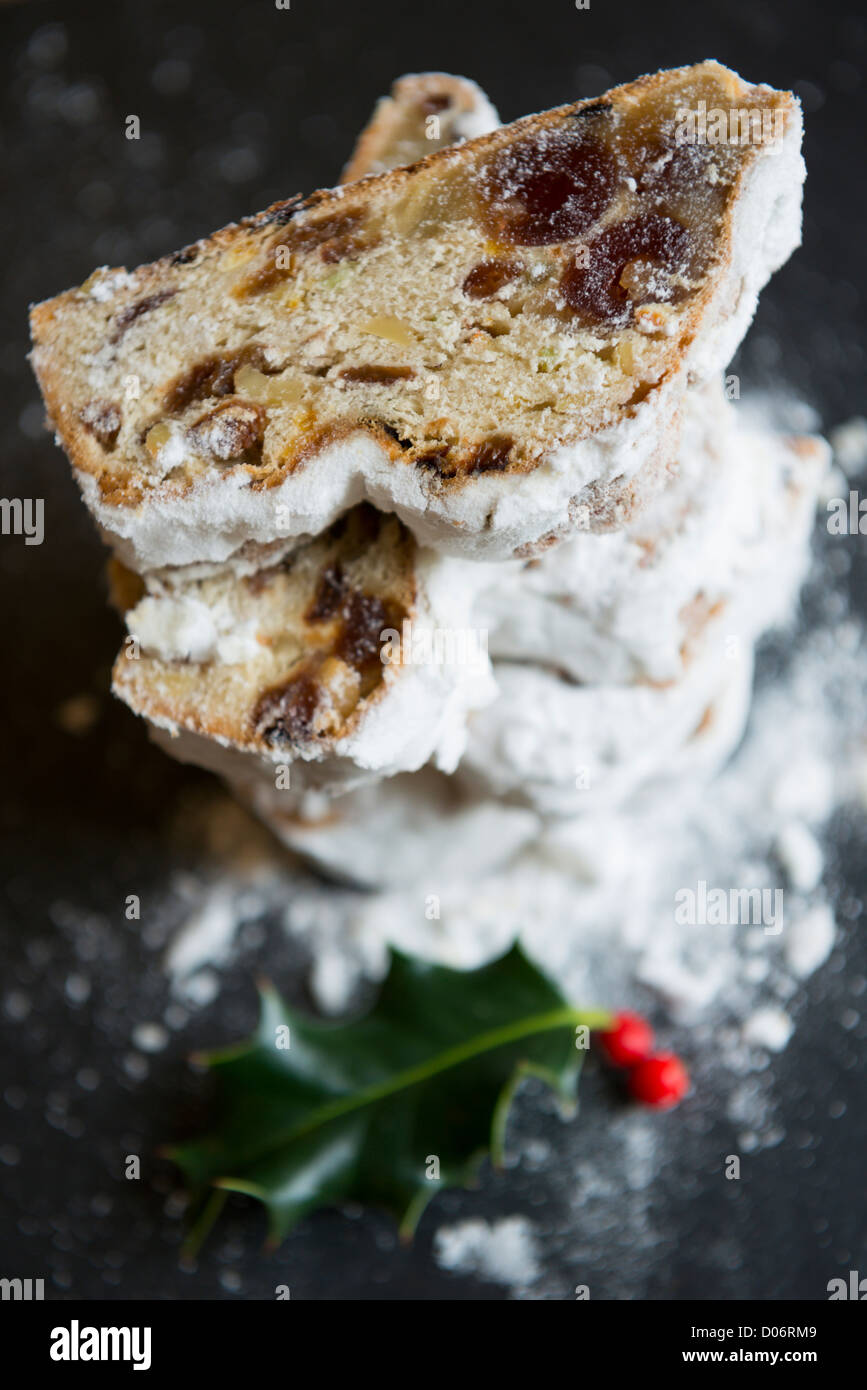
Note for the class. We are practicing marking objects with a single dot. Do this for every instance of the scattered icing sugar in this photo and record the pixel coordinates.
(801, 855)
(849, 442)
(206, 938)
(810, 941)
(501, 1252)
(108, 283)
(769, 1027)
(149, 1037)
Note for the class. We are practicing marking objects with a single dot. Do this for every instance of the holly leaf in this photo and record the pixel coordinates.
(389, 1108)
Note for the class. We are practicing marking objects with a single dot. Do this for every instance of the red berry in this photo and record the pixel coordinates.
(660, 1081)
(629, 1041)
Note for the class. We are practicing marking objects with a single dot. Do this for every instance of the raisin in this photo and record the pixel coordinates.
(306, 236)
(594, 292)
(437, 461)
(336, 237)
(284, 714)
(374, 375)
(329, 596)
(135, 311)
(340, 248)
(549, 188)
(213, 376)
(665, 169)
(230, 429)
(491, 456)
(364, 620)
(486, 278)
(103, 420)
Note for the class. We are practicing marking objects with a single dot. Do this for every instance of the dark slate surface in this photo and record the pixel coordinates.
(241, 104)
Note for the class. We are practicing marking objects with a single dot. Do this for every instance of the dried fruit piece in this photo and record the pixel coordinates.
(492, 455)
(253, 385)
(135, 311)
(284, 714)
(488, 277)
(549, 187)
(212, 376)
(103, 420)
(336, 237)
(392, 329)
(230, 429)
(593, 285)
(374, 374)
(157, 437)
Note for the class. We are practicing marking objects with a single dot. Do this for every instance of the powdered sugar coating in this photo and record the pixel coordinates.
(632, 603)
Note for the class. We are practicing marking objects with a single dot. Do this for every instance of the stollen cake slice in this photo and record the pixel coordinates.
(492, 343)
(321, 671)
(424, 112)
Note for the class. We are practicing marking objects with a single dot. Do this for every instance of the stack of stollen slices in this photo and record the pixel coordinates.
(479, 394)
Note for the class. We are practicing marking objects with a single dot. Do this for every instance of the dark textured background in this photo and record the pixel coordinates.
(241, 104)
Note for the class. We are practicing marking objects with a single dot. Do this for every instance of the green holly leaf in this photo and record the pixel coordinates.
(390, 1108)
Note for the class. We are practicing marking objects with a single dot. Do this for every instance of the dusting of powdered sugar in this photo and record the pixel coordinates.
(503, 1252)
